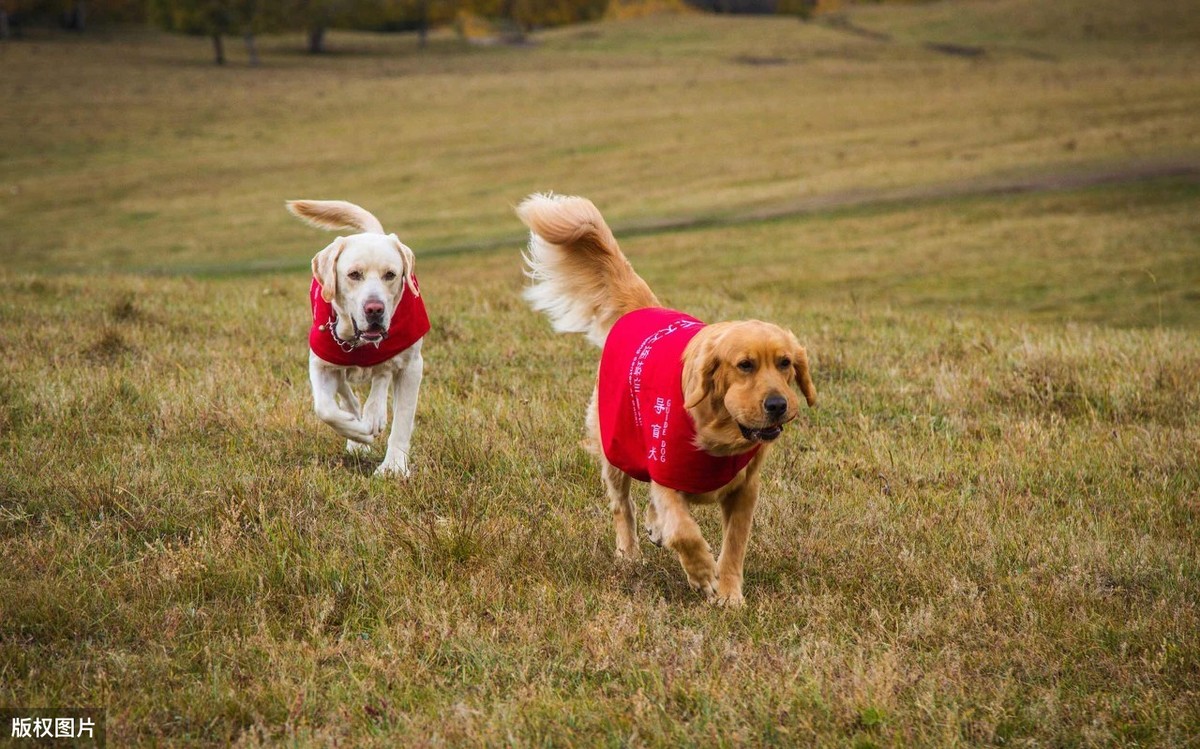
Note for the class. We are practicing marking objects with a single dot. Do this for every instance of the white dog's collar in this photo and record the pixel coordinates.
(347, 345)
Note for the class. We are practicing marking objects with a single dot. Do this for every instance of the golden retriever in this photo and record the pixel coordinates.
(695, 406)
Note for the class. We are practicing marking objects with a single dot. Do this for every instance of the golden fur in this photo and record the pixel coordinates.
(732, 372)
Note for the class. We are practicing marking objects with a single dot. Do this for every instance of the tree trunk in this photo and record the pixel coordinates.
(218, 49)
(251, 47)
(423, 23)
(316, 40)
(514, 33)
(75, 17)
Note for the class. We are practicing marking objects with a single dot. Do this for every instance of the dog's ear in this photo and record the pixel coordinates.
(408, 262)
(324, 268)
(803, 378)
(700, 366)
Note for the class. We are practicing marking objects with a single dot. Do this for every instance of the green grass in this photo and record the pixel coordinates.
(986, 534)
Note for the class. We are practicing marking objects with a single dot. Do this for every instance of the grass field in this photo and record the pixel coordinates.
(986, 534)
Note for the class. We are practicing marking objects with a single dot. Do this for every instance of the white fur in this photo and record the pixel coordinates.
(372, 254)
(568, 313)
(576, 265)
(336, 404)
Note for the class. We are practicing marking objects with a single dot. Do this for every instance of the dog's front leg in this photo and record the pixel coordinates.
(325, 385)
(737, 510)
(405, 387)
(680, 533)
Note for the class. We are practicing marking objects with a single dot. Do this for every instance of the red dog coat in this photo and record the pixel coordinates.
(644, 428)
(410, 323)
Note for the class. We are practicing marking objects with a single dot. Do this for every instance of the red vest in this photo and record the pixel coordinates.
(410, 323)
(644, 428)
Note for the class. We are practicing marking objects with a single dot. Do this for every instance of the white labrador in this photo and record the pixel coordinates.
(368, 325)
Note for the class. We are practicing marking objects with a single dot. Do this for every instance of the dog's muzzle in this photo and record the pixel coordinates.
(374, 334)
(764, 434)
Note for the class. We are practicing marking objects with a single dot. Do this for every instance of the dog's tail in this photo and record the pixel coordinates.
(581, 280)
(335, 215)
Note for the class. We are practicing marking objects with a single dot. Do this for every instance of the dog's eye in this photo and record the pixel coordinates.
(389, 276)
(355, 275)
(785, 363)
(745, 365)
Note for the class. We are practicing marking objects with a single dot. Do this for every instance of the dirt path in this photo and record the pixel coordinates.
(969, 51)
(1049, 182)
(979, 187)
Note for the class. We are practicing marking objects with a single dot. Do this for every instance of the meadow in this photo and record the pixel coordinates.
(987, 532)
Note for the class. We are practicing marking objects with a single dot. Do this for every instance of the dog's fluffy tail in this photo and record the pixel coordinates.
(581, 280)
(335, 215)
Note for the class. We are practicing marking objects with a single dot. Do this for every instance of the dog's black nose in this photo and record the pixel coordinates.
(775, 406)
(373, 309)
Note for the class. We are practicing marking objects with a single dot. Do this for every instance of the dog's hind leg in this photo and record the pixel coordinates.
(652, 529)
(349, 402)
(374, 412)
(348, 398)
(616, 488)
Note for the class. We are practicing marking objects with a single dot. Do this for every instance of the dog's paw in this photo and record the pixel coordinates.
(729, 599)
(394, 468)
(357, 448)
(355, 431)
(704, 581)
(632, 554)
(375, 421)
(655, 535)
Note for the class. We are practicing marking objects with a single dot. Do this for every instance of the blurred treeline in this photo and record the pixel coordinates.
(69, 14)
(497, 20)
(380, 15)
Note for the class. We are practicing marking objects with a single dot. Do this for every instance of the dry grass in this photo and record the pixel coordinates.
(986, 534)
(146, 156)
